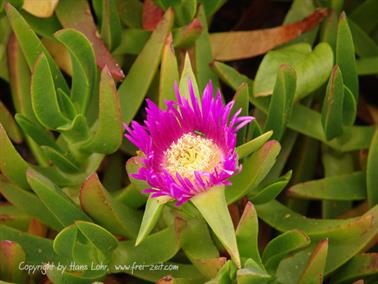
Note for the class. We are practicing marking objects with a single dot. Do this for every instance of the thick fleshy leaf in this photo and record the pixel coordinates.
(314, 270)
(237, 45)
(203, 254)
(282, 245)
(271, 191)
(11, 256)
(169, 73)
(131, 196)
(110, 24)
(77, 130)
(132, 41)
(364, 15)
(64, 242)
(332, 111)
(255, 168)
(241, 101)
(12, 165)
(203, 54)
(340, 187)
(371, 172)
(156, 248)
(186, 76)
(63, 162)
(84, 71)
(37, 250)
(213, 208)
(151, 215)
(253, 145)
(106, 211)
(281, 103)
(108, 129)
(42, 93)
(31, 46)
(252, 273)
(14, 217)
(367, 65)
(10, 125)
(247, 234)
(29, 203)
(98, 236)
(76, 14)
(228, 75)
(364, 45)
(345, 55)
(58, 276)
(185, 37)
(56, 201)
(360, 266)
(135, 86)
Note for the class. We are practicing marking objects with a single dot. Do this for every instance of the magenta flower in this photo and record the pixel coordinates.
(188, 148)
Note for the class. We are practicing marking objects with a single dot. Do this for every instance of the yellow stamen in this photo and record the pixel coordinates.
(191, 153)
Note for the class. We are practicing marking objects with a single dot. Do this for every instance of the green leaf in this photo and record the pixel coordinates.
(203, 54)
(65, 104)
(131, 196)
(360, 266)
(43, 93)
(266, 74)
(283, 219)
(281, 103)
(29, 203)
(134, 88)
(32, 47)
(345, 55)
(11, 256)
(63, 162)
(252, 273)
(77, 130)
(37, 250)
(339, 187)
(64, 242)
(98, 236)
(84, 71)
(230, 76)
(367, 65)
(247, 234)
(186, 76)
(203, 254)
(213, 208)
(241, 101)
(371, 172)
(364, 15)
(185, 11)
(314, 270)
(150, 218)
(349, 107)
(364, 45)
(106, 211)
(255, 168)
(108, 130)
(282, 245)
(56, 201)
(10, 125)
(14, 217)
(110, 24)
(78, 277)
(149, 252)
(313, 71)
(132, 41)
(332, 111)
(186, 36)
(12, 165)
(169, 73)
(271, 191)
(253, 145)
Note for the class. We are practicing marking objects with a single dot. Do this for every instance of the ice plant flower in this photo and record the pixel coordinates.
(189, 147)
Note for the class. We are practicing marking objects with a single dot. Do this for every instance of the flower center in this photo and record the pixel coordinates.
(191, 153)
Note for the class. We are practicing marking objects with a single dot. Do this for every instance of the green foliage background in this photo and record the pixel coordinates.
(305, 204)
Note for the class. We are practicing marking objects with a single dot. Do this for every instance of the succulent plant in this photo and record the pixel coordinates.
(264, 180)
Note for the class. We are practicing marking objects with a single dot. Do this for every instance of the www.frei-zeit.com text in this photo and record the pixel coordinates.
(43, 268)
